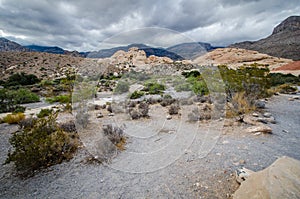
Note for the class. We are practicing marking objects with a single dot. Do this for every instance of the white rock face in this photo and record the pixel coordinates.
(280, 180)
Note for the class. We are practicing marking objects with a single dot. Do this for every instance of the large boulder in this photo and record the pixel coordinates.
(279, 180)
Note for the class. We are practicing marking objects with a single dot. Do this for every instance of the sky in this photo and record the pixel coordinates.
(90, 25)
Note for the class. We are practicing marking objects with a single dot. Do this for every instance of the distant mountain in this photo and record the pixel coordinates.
(7, 45)
(160, 52)
(283, 42)
(46, 49)
(191, 50)
(54, 50)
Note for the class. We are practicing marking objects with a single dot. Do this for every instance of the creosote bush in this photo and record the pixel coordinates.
(174, 109)
(40, 146)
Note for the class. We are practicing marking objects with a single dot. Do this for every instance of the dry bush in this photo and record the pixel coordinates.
(174, 109)
(115, 135)
(239, 106)
(143, 109)
(14, 118)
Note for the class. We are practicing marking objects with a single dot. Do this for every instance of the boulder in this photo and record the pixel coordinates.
(260, 104)
(260, 128)
(279, 180)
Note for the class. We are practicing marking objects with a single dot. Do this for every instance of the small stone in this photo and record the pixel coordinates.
(291, 99)
(258, 133)
(218, 154)
(285, 131)
(255, 115)
(225, 142)
(111, 114)
(267, 115)
(169, 117)
(99, 115)
(242, 161)
(296, 97)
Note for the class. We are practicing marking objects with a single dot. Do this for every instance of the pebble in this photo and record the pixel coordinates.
(255, 115)
(111, 114)
(99, 115)
(169, 117)
(267, 115)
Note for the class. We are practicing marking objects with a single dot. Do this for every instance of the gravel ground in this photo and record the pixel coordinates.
(204, 169)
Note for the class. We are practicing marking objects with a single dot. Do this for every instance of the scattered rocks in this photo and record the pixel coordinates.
(261, 129)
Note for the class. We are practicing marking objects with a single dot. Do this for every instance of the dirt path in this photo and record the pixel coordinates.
(196, 172)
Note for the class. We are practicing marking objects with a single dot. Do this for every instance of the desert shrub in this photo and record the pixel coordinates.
(200, 113)
(143, 109)
(131, 104)
(152, 100)
(27, 122)
(239, 106)
(19, 109)
(167, 100)
(63, 99)
(286, 88)
(41, 146)
(122, 87)
(68, 126)
(14, 118)
(136, 94)
(200, 88)
(153, 88)
(279, 78)
(183, 87)
(115, 135)
(21, 79)
(44, 113)
(174, 109)
(134, 114)
(251, 80)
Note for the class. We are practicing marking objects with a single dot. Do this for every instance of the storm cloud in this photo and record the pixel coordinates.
(82, 25)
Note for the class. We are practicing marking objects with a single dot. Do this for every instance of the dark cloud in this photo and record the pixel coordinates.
(82, 25)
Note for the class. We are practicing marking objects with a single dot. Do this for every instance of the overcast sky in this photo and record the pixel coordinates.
(83, 25)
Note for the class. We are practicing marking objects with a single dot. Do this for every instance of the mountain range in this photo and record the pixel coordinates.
(283, 42)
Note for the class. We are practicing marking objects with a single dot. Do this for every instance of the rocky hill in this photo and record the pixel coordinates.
(160, 52)
(7, 45)
(235, 57)
(283, 42)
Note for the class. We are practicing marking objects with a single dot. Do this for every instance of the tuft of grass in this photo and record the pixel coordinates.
(14, 118)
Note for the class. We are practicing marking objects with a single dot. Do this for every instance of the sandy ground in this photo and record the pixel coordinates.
(168, 160)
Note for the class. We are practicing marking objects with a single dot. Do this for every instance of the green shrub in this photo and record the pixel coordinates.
(41, 146)
(14, 118)
(63, 99)
(19, 109)
(278, 79)
(122, 87)
(136, 94)
(154, 88)
(10, 100)
(21, 79)
(44, 113)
